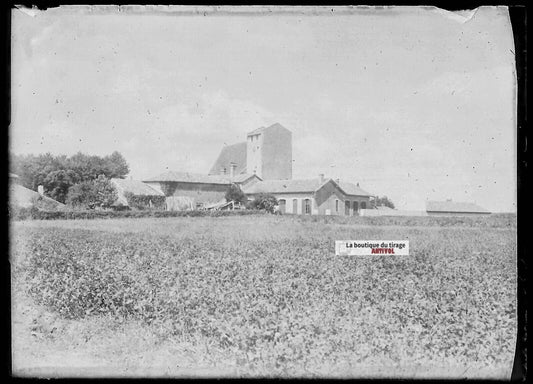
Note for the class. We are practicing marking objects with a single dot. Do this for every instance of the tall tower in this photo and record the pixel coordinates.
(269, 152)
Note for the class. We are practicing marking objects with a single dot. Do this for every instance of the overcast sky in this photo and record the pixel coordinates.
(412, 103)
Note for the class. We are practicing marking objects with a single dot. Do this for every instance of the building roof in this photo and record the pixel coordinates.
(453, 206)
(261, 129)
(285, 186)
(256, 131)
(302, 186)
(352, 189)
(235, 153)
(240, 178)
(25, 197)
(186, 177)
(136, 187)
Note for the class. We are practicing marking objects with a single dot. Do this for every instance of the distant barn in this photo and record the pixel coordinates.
(454, 208)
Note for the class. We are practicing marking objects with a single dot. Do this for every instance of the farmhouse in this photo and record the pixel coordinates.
(318, 196)
(453, 208)
(261, 164)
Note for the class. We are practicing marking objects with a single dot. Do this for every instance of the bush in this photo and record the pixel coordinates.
(36, 214)
(234, 193)
(264, 201)
(90, 194)
(145, 201)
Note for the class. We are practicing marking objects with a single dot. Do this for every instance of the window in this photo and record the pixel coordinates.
(355, 207)
(336, 205)
(347, 208)
(295, 206)
(224, 171)
(282, 203)
(363, 205)
(307, 207)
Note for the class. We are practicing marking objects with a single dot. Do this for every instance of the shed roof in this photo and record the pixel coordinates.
(235, 153)
(454, 206)
(25, 197)
(136, 187)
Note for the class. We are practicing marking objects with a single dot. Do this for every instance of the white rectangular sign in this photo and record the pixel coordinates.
(371, 247)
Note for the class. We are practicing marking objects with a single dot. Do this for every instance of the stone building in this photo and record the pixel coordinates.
(262, 164)
(318, 196)
(196, 188)
(266, 153)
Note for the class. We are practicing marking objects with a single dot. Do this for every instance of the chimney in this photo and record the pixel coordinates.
(337, 181)
(321, 177)
(232, 168)
(40, 189)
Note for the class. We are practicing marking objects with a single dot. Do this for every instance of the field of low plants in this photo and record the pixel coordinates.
(266, 296)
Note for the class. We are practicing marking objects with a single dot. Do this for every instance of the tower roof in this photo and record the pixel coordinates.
(262, 129)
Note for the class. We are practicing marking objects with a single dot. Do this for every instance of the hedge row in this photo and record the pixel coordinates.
(35, 214)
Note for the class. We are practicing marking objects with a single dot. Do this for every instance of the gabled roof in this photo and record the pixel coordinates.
(235, 153)
(352, 189)
(186, 177)
(454, 207)
(285, 186)
(136, 187)
(302, 186)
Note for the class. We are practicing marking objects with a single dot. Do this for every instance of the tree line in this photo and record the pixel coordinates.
(78, 178)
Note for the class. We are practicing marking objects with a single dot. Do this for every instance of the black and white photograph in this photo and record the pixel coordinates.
(263, 192)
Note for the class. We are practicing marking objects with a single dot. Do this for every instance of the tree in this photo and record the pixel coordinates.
(90, 194)
(58, 173)
(117, 166)
(264, 201)
(81, 195)
(58, 183)
(105, 192)
(384, 200)
(234, 193)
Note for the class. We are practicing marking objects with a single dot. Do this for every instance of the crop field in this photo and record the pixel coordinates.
(263, 296)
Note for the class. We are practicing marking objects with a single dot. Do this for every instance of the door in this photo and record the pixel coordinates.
(282, 205)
